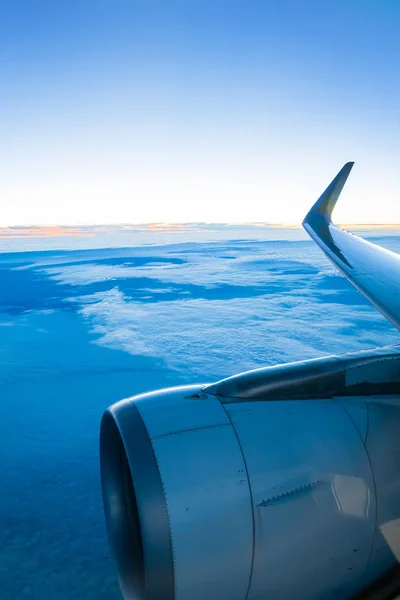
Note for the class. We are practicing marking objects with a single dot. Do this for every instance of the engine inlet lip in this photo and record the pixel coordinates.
(135, 506)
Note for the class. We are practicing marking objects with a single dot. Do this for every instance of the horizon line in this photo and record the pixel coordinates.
(28, 231)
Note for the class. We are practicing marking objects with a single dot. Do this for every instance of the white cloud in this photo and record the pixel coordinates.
(295, 306)
(251, 264)
(216, 338)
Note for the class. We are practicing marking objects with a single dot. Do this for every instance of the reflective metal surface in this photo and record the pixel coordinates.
(207, 493)
(383, 447)
(135, 506)
(192, 494)
(280, 483)
(373, 270)
(355, 373)
(314, 498)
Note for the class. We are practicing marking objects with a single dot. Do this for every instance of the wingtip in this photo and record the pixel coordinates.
(327, 201)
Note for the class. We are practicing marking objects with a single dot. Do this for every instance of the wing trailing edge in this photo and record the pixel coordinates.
(373, 270)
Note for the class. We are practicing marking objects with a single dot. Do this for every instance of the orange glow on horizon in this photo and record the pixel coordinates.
(45, 231)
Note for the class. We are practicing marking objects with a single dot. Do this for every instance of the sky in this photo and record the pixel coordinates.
(142, 111)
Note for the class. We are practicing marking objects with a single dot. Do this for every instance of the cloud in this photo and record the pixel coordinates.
(216, 338)
(213, 309)
(209, 265)
(177, 314)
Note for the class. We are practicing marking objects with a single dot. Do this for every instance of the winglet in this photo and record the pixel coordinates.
(373, 270)
(326, 203)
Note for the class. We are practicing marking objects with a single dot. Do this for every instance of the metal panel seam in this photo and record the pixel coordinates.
(251, 500)
(243, 399)
(188, 430)
(335, 399)
(375, 492)
(364, 443)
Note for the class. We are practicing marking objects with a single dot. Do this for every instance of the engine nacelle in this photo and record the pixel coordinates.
(184, 529)
(231, 492)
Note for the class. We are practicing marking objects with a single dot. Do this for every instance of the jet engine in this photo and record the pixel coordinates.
(280, 483)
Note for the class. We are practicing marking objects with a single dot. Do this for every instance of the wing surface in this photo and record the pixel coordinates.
(373, 270)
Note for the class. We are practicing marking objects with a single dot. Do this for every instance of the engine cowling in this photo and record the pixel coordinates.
(176, 495)
(227, 498)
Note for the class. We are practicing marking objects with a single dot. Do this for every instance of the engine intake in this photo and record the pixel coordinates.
(176, 497)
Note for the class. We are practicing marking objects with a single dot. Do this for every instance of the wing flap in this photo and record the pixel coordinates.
(373, 270)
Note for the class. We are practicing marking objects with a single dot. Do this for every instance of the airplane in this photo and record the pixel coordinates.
(279, 483)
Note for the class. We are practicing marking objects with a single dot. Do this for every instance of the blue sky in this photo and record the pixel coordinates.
(213, 110)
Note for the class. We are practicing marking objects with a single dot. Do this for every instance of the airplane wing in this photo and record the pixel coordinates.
(374, 271)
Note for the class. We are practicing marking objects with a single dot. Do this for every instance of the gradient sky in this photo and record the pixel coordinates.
(197, 110)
